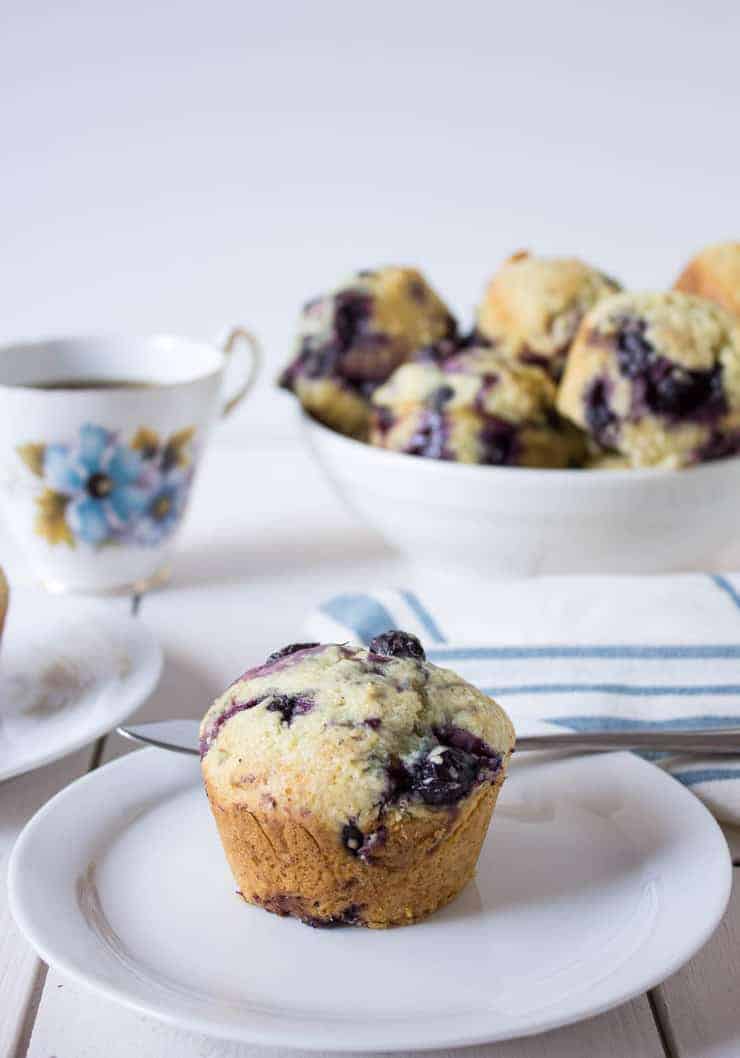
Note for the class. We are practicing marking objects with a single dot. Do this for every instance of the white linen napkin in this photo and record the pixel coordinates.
(581, 654)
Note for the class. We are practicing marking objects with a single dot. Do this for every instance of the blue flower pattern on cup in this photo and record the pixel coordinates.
(99, 491)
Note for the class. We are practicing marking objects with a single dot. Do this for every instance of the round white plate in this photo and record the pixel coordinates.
(600, 876)
(70, 670)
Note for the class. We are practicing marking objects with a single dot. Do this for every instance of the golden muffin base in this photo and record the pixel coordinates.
(294, 867)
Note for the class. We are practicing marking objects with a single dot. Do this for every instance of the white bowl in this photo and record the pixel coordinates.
(512, 521)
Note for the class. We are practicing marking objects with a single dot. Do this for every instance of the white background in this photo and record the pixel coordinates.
(182, 166)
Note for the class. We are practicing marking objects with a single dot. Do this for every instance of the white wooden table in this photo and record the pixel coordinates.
(264, 541)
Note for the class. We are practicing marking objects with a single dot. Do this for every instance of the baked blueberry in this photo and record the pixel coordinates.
(397, 644)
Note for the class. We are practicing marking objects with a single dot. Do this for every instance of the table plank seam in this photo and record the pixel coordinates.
(37, 993)
(662, 1020)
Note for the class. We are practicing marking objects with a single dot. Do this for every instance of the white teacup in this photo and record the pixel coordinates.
(100, 438)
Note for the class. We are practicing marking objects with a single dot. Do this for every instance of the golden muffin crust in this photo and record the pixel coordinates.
(533, 307)
(475, 407)
(353, 786)
(351, 339)
(714, 273)
(656, 377)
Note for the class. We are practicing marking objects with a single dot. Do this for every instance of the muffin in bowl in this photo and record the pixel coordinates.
(351, 339)
(475, 407)
(533, 307)
(714, 273)
(353, 786)
(656, 377)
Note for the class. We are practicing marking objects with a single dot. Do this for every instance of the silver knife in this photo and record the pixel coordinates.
(181, 736)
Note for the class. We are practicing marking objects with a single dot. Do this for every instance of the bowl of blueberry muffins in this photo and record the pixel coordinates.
(576, 427)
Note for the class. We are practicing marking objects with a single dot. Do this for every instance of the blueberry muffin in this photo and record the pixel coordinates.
(353, 786)
(475, 407)
(656, 377)
(352, 339)
(534, 305)
(715, 274)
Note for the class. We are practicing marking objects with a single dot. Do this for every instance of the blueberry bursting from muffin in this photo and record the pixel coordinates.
(352, 785)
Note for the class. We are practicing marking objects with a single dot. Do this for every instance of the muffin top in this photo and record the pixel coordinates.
(714, 273)
(474, 407)
(351, 735)
(657, 377)
(364, 328)
(534, 305)
(479, 377)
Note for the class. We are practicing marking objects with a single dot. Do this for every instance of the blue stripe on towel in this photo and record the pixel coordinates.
(643, 653)
(362, 614)
(656, 690)
(423, 616)
(692, 778)
(620, 723)
(726, 586)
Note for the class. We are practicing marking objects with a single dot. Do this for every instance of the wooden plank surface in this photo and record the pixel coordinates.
(19, 967)
(73, 1024)
(700, 1005)
(20, 971)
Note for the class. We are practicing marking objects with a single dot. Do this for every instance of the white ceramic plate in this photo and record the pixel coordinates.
(599, 877)
(70, 670)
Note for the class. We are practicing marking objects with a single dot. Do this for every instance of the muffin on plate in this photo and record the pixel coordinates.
(656, 377)
(350, 341)
(353, 786)
(715, 274)
(475, 407)
(533, 306)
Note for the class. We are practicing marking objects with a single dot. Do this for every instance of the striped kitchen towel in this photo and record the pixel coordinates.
(584, 654)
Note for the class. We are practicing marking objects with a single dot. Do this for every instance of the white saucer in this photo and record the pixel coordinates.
(599, 878)
(70, 670)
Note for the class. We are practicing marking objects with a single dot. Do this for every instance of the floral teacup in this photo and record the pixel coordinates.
(100, 438)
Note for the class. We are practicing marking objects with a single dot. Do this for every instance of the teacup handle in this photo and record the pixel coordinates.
(236, 339)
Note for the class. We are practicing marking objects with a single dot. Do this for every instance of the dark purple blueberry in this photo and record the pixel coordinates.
(633, 349)
(600, 419)
(437, 352)
(474, 339)
(352, 838)
(499, 442)
(399, 780)
(544, 363)
(445, 775)
(719, 446)
(350, 916)
(459, 738)
(440, 397)
(290, 705)
(373, 722)
(352, 310)
(430, 437)
(384, 419)
(284, 652)
(396, 644)
(371, 844)
(674, 391)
